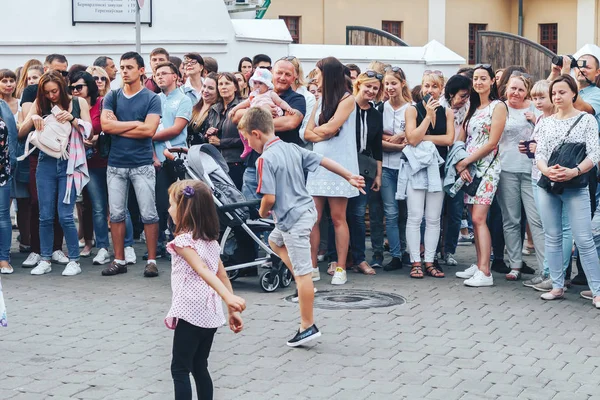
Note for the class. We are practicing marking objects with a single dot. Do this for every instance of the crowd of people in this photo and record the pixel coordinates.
(456, 160)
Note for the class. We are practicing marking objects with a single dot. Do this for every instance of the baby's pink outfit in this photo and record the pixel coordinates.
(258, 100)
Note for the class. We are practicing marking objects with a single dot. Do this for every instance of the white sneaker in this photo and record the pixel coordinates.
(130, 257)
(480, 280)
(467, 273)
(32, 260)
(59, 257)
(316, 275)
(72, 269)
(81, 244)
(43, 267)
(339, 277)
(103, 257)
(450, 260)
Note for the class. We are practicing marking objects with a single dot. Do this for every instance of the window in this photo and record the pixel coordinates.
(473, 28)
(393, 27)
(549, 36)
(293, 25)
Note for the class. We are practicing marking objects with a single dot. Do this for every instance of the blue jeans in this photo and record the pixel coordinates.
(250, 184)
(51, 181)
(357, 207)
(395, 223)
(577, 202)
(454, 212)
(567, 236)
(98, 192)
(5, 223)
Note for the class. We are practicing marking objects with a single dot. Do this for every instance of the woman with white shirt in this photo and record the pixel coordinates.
(394, 141)
(514, 189)
(560, 186)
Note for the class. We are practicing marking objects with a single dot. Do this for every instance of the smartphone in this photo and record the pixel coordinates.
(426, 98)
(55, 110)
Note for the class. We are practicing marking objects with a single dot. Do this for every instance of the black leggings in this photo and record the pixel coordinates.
(191, 347)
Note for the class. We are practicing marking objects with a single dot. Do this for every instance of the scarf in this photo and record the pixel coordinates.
(77, 170)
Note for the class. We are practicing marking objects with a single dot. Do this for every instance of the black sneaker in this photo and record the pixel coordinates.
(304, 337)
(500, 267)
(579, 280)
(395, 264)
(406, 259)
(294, 298)
(526, 269)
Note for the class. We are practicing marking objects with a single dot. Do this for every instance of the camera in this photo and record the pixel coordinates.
(558, 60)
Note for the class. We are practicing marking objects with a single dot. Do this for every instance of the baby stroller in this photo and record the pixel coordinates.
(240, 225)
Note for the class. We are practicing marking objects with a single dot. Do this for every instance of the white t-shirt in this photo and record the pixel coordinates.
(517, 128)
(393, 122)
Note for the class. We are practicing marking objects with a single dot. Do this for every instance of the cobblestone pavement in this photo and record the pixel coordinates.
(94, 337)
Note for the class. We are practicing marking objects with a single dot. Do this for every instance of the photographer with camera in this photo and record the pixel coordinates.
(587, 70)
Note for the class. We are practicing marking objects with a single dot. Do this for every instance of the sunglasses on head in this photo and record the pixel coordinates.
(374, 74)
(484, 66)
(79, 87)
(100, 78)
(396, 70)
(519, 73)
(433, 72)
(288, 58)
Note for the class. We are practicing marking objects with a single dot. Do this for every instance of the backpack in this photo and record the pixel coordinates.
(53, 140)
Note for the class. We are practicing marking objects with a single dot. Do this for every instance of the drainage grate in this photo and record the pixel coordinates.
(353, 299)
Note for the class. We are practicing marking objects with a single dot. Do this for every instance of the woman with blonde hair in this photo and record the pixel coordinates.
(23, 83)
(393, 142)
(101, 78)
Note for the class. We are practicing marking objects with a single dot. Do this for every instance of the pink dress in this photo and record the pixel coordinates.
(263, 100)
(193, 299)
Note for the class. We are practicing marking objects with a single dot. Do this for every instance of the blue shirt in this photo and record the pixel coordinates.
(591, 95)
(175, 105)
(126, 152)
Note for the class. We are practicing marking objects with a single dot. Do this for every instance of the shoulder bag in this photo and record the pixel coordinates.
(568, 155)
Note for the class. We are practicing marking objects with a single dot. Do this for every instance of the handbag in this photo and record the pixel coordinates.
(567, 155)
(471, 188)
(104, 140)
(53, 140)
(367, 166)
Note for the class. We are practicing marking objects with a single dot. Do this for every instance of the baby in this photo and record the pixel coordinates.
(262, 95)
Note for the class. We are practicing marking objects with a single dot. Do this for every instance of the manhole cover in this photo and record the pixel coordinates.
(352, 299)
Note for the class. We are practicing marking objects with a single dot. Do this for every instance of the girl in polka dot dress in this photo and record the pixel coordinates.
(199, 282)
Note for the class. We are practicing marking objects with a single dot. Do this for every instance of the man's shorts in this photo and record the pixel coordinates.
(297, 242)
(144, 183)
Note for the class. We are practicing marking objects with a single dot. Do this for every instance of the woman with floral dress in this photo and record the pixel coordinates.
(481, 132)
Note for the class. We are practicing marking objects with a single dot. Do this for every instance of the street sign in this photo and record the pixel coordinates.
(110, 11)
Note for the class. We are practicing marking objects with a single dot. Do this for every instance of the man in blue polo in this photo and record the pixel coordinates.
(172, 132)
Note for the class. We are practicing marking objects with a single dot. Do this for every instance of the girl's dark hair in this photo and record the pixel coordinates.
(506, 74)
(455, 84)
(90, 82)
(73, 70)
(475, 100)
(333, 87)
(44, 105)
(196, 211)
(570, 81)
(416, 94)
(242, 61)
(230, 77)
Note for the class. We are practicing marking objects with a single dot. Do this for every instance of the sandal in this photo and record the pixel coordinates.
(331, 268)
(416, 271)
(434, 271)
(364, 268)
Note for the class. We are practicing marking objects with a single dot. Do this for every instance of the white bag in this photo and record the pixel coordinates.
(53, 140)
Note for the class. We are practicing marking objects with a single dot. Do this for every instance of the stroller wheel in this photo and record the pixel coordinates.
(269, 281)
(233, 275)
(286, 276)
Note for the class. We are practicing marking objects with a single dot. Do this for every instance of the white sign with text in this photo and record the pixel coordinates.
(110, 11)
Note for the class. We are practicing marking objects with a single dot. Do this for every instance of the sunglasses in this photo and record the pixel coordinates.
(374, 74)
(79, 88)
(484, 66)
(100, 78)
(64, 73)
(433, 72)
(396, 70)
(519, 73)
(288, 58)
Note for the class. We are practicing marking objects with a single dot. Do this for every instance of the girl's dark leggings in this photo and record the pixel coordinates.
(191, 347)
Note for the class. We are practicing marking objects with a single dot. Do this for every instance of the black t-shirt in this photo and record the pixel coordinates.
(29, 94)
(371, 121)
(297, 102)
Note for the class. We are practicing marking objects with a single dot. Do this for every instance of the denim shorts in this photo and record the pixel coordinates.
(144, 183)
(297, 242)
